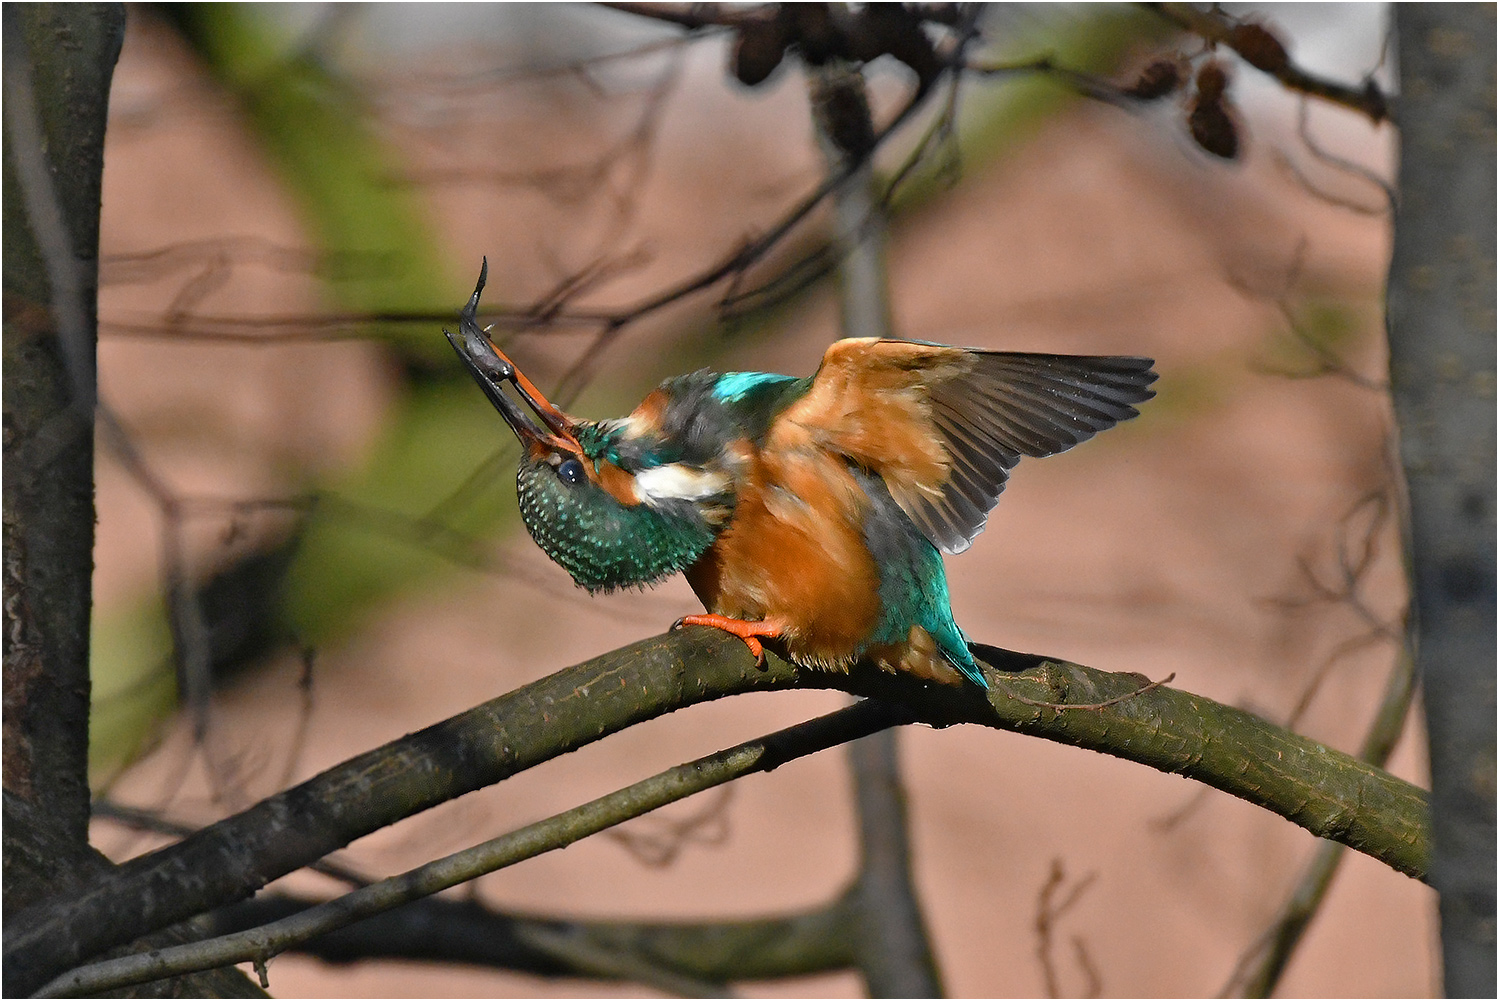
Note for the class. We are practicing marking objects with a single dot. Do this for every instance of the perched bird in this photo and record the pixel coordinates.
(809, 510)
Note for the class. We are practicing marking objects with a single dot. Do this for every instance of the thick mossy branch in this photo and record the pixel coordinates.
(1331, 794)
(1325, 791)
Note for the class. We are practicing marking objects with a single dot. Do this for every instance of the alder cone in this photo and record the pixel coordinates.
(1212, 80)
(758, 50)
(1157, 80)
(1213, 127)
(1258, 47)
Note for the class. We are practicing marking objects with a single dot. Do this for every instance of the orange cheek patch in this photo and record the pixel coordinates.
(616, 482)
(648, 412)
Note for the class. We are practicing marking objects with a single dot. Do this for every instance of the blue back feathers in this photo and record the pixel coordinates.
(731, 387)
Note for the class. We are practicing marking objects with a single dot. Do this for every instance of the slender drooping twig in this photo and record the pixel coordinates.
(259, 945)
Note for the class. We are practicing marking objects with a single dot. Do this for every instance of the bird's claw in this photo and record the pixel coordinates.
(746, 631)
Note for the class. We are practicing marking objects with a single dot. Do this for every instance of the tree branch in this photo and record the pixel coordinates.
(894, 951)
(445, 930)
(1325, 791)
(1258, 47)
(1273, 950)
(261, 944)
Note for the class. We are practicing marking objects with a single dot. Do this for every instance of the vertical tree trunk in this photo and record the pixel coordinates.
(59, 59)
(894, 951)
(1442, 334)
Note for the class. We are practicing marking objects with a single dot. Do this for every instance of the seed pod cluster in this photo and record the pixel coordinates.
(759, 48)
(863, 34)
(1157, 80)
(1258, 47)
(1210, 119)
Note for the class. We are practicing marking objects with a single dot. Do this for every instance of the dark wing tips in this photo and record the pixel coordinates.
(1012, 405)
(1050, 403)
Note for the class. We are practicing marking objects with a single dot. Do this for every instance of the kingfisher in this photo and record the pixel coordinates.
(813, 511)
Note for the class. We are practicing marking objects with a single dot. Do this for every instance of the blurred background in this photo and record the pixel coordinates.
(296, 200)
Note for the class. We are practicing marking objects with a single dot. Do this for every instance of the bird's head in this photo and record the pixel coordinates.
(608, 523)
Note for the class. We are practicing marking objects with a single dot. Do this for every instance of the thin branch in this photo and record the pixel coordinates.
(708, 826)
(1304, 132)
(1307, 184)
(1326, 362)
(577, 69)
(1260, 49)
(680, 957)
(691, 15)
(260, 945)
(1085, 84)
(1260, 967)
(594, 961)
(1048, 911)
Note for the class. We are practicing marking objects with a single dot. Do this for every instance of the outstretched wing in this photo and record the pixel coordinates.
(943, 426)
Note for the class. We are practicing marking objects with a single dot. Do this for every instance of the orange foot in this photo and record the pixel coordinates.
(746, 630)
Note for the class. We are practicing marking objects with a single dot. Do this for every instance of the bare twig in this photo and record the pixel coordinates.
(1044, 704)
(1260, 49)
(691, 15)
(577, 69)
(1048, 912)
(1304, 132)
(707, 826)
(1260, 966)
(1326, 362)
(1307, 184)
(1085, 84)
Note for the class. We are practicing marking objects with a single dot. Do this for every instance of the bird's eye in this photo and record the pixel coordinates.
(571, 471)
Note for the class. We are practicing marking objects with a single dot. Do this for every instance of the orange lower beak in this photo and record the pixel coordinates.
(491, 370)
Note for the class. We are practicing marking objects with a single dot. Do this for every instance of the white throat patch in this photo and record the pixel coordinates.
(677, 482)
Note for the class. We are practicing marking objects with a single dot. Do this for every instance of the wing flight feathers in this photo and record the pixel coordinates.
(1014, 404)
(944, 426)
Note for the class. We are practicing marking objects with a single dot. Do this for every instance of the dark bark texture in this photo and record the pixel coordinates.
(1442, 335)
(58, 63)
(59, 60)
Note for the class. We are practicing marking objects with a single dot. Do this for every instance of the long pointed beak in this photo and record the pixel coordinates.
(491, 369)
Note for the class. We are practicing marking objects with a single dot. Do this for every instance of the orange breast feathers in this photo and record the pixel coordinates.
(794, 555)
(871, 403)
